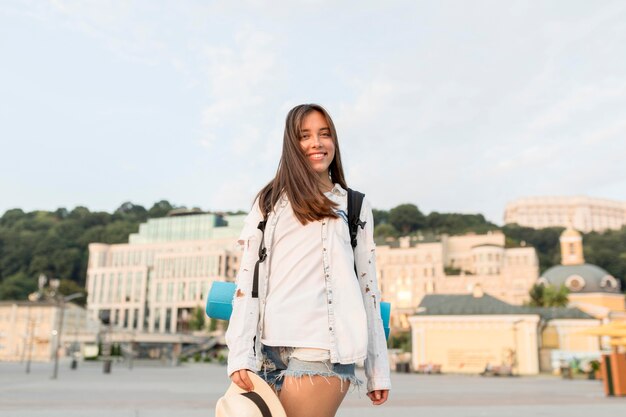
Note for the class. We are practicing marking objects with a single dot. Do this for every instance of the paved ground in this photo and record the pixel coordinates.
(192, 389)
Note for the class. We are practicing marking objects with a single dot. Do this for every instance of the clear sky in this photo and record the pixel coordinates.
(456, 106)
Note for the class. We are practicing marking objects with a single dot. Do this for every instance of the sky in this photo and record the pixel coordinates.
(455, 106)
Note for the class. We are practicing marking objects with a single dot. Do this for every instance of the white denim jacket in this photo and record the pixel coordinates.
(354, 322)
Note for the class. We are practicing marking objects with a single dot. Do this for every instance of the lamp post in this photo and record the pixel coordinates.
(61, 304)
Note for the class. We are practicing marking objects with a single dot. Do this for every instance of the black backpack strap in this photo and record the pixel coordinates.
(262, 256)
(355, 202)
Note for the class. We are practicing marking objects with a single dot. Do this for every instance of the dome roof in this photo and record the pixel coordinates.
(583, 278)
(570, 232)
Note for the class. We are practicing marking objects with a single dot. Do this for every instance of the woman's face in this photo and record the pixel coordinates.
(316, 142)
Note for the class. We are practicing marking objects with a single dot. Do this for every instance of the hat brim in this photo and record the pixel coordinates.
(264, 390)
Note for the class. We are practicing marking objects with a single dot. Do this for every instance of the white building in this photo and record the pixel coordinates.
(582, 213)
(153, 283)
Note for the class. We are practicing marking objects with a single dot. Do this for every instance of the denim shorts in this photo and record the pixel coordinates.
(279, 361)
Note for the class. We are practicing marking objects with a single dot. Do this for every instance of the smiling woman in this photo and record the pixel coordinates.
(317, 313)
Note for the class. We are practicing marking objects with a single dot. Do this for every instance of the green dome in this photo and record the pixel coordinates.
(583, 278)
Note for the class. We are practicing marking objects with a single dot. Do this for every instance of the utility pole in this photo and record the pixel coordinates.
(29, 343)
(61, 300)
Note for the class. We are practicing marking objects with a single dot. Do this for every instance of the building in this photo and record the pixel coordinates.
(591, 288)
(29, 330)
(473, 332)
(453, 265)
(582, 213)
(153, 283)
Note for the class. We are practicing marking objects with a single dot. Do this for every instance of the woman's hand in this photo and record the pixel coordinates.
(242, 380)
(379, 396)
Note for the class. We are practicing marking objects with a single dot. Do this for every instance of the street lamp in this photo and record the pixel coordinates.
(61, 304)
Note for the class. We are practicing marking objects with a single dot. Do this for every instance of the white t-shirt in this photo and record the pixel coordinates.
(296, 312)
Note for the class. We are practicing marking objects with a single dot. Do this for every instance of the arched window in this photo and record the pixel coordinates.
(609, 282)
(575, 283)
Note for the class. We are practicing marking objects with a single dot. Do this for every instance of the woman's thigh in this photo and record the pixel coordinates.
(314, 386)
(312, 395)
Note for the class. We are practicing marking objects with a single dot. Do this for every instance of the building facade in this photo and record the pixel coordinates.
(29, 330)
(153, 283)
(453, 265)
(582, 213)
(475, 332)
(591, 288)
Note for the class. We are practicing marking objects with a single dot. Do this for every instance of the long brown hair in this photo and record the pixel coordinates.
(296, 178)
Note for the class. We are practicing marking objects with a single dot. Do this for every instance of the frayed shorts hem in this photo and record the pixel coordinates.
(278, 364)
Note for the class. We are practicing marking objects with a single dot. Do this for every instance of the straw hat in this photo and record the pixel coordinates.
(260, 402)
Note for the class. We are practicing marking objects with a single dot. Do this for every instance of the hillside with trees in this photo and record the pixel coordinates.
(55, 242)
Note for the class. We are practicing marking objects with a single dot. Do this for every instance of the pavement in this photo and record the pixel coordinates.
(191, 390)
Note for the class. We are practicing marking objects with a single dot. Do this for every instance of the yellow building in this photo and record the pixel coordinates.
(591, 288)
(29, 329)
(474, 332)
(411, 269)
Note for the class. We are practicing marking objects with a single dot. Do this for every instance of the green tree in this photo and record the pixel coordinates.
(380, 217)
(406, 218)
(17, 287)
(131, 212)
(457, 223)
(545, 241)
(537, 295)
(385, 230)
(68, 287)
(198, 320)
(160, 209)
(548, 296)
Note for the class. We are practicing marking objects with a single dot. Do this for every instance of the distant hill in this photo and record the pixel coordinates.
(55, 242)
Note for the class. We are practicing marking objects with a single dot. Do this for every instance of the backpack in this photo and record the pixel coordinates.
(355, 202)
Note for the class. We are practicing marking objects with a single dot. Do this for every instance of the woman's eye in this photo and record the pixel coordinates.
(326, 134)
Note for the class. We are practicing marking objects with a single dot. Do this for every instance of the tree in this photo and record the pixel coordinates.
(131, 212)
(548, 296)
(17, 287)
(385, 230)
(537, 295)
(12, 216)
(545, 241)
(406, 218)
(68, 287)
(197, 320)
(380, 217)
(160, 209)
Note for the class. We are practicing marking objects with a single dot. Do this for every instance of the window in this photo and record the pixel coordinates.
(137, 289)
(129, 286)
(110, 289)
(135, 318)
(157, 319)
(575, 283)
(118, 289)
(608, 282)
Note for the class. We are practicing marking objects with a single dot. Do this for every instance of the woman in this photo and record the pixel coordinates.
(313, 319)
